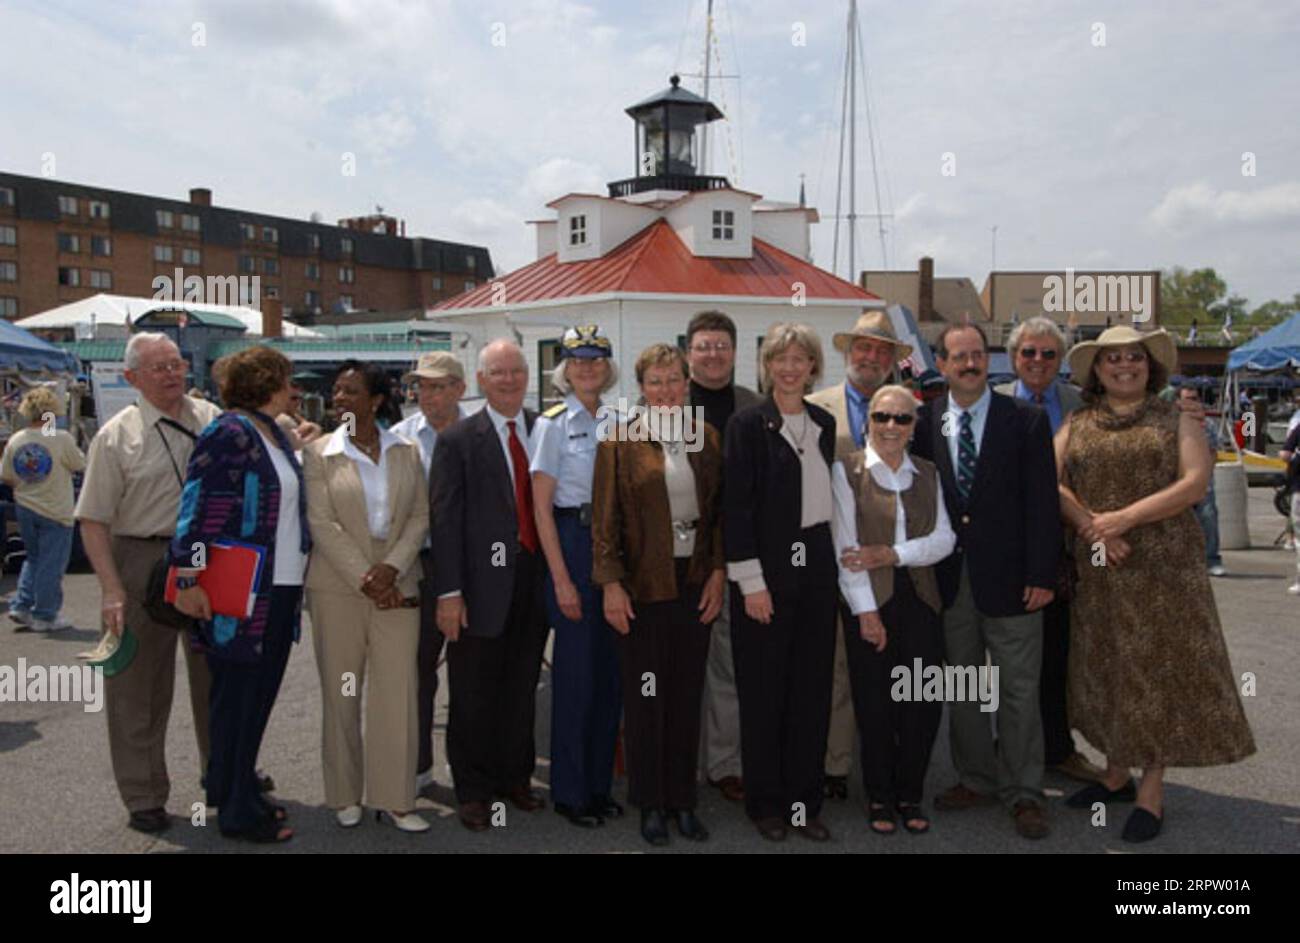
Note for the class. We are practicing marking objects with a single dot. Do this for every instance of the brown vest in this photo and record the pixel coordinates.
(875, 515)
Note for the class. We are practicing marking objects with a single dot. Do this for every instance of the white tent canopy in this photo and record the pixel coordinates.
(114, 309)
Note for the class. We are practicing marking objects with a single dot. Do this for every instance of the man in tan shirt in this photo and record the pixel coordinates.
(127, 509)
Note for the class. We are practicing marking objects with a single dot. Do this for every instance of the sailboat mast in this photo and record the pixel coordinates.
(853, 140)
(708, 49)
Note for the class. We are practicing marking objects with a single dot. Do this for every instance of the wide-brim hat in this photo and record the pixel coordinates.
(436, 365)
(1159, 346)
(874, 324)
(113, 653)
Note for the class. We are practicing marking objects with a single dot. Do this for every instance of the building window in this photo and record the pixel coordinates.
(101, 245)
(191, 257)
(270, 266)
(247, 264)
(313, 242)
(346, 302)
(98, 209)
(724, 225)
(470, 262)
(68, 205)
(273, 291)
(69, 276)
(311, 299)
(6, 196)
(312, 271)
(347, 274)
(248, 231)
(8, 236)
(69, 242)
(164, 218)
(190, 222)
(577, 231)
(9, 308)
(437, 283)
(162, 253)
(469, 284)
(8, 271)
(101, 279)
(345, 245)
(270, 234)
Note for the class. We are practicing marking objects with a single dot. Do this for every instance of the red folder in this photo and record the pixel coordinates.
(230, 579)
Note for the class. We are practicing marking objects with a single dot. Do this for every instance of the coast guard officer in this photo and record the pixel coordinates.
(586, 704)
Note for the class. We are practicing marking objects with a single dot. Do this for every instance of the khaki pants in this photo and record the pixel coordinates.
(350, 636)
(844, 729)
(140, 697)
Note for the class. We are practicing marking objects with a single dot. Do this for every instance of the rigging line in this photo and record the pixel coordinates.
(839, 174)
(871, 145)
(681, 41)
(740, 97)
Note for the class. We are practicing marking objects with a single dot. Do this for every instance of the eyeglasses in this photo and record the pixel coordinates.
(166, 367)
(719, 347)
(500, 373)
(1046, 353)
(1113, 357)
(898, 419)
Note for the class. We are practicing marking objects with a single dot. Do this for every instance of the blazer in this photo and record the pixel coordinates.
(763, 499)
(336, 513)
(472, 521)
(631, 523)
(1071, 398)
(834, 400)
(1009, 532)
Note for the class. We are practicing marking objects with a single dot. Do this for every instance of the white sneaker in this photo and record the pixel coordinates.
(1294, 588)
(1218, 570)
(21, 616)
(58, 624)
(410, 822)
(423, 779)
(349, 816)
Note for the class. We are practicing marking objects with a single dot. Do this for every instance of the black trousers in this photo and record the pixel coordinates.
(1058, 741)
(783, 678)
(896, 736)
(430, 650)
(490, 725)
(240, 703)
(662, 665)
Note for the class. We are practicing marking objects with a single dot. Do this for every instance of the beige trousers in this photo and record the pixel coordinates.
(351, 637)
(843, 730)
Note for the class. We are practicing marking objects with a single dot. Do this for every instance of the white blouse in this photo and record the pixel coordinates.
(290, 561)
(926, 550)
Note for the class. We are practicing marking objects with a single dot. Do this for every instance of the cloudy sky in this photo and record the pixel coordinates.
(1092, 134)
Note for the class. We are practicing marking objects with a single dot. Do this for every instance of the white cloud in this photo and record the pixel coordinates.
(1199, 205)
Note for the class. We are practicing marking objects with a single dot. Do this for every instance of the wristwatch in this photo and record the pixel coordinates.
(186, 582)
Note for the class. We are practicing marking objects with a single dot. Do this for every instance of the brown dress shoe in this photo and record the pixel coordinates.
(731, 787)
(814, 831)
(960, 798)
(1077, 767)
(474, 816)
(771, 828)
(525, 800)
(1031, 820)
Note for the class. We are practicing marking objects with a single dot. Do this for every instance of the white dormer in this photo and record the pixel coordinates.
(715, 223)
(588, 226)
(786, 226)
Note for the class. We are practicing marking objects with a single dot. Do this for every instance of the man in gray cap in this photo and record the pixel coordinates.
(441, 384)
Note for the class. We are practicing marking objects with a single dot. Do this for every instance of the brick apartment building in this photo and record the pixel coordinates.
(60, 242)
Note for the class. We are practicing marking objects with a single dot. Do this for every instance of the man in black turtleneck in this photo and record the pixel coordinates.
(711, 353)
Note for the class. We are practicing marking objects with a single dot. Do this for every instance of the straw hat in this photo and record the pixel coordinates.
(874, 324)
(1159, 346)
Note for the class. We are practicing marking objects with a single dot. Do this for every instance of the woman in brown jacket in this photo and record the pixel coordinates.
(656, 529)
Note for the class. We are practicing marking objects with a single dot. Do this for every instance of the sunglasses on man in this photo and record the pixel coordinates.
(898, 419)
(1045, 353)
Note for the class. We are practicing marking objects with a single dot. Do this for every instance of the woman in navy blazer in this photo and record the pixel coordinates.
(777, 535)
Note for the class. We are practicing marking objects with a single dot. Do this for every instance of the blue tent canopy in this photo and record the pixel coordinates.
(25, 351)
(1272, 350)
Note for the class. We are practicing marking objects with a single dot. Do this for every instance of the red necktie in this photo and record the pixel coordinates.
(523, 492)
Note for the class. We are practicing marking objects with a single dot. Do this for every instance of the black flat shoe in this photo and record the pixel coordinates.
(1141, 826)
(584, 817)
(835, 787)
(606, 807)
(653, 827)
(149, 821)
(1097, 792)
(265, 782)
(689, 826)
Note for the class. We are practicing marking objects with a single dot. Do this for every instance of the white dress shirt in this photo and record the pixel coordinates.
(374, 477)
(526, 439)
(925, 550)
(979, 414)
(416, 428)
(290, 561)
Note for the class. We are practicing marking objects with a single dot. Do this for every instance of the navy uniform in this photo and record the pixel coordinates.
(587, 700)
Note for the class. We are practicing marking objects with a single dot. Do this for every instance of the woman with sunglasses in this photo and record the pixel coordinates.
(1150, 683)
(776, 530)
(890, 528)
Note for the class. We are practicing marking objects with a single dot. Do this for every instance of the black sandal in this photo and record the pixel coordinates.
(278, 813)
(911, 812)
(878, 813)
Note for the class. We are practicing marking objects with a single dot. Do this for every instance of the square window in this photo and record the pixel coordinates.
(270, 234)
(724, 222)
(347, 274)
(345, 245)
(9, 308)
(68, 205)
(273, 291)
(437, 283)
(248, 230)
(270, 267)
(8, 271)
(101, 245)
(8, 236)
(69, 276)
(313, 242)
(346, 302)
(6, 196)
(162, 254)
(578, 230)
(191, 257)
(190, 222)
(98, 209)
(469, 262)
(101, 279)
(247, 264)
(69, 242)
(311, 299)
(164, 218)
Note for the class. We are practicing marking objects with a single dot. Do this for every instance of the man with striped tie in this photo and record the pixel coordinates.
(994, 455)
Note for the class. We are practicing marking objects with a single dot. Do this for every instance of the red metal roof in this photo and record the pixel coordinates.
(656, 260)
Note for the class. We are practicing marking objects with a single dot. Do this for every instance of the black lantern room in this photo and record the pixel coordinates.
(667, 150)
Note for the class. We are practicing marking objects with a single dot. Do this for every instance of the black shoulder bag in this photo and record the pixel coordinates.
(155, 602)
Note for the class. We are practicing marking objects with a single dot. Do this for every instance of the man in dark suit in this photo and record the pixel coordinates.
(487, 575)
(994, 455)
